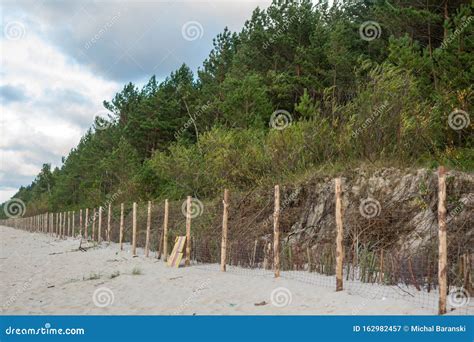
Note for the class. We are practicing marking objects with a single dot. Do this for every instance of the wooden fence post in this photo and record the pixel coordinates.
(86, 223)
(134, 230)
(165, 232)
(466, 260)
(339, 236)
(93, 224)
(109, 217)
(80, 222)
(99, 229)
(188, 231)
(225, 216)
(442, 253)
(60, 225)
(148, 228)
(121, 227)
(276, 233)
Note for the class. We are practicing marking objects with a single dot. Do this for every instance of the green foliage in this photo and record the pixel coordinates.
(350, 100)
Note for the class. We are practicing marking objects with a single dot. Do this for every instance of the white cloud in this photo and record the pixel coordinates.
(62, 98)
(52, 86)
(6, 194)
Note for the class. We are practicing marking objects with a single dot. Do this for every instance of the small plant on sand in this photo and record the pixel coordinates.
(136, 271)
(115, 274)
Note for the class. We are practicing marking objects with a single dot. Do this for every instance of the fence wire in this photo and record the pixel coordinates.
(390, 246)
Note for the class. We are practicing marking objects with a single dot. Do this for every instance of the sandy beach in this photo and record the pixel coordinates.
(45, 275)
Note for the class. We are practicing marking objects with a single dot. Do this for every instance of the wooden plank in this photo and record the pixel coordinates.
(442, 252)
(276, 233)
(339, 236)
(177, 253)
(225, 219)
(148, 228)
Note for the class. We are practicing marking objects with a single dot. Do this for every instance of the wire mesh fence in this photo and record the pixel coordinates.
(390, 242)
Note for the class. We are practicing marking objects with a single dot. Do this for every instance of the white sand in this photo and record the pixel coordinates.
(36, 281)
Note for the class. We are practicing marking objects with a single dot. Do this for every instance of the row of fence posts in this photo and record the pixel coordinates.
(46, 224)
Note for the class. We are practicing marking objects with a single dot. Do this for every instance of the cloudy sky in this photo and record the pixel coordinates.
(61, 59)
